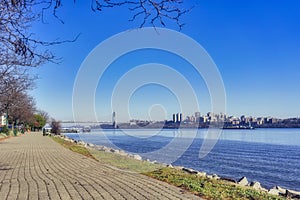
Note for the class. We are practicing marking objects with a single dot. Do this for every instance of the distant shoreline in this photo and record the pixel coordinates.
(183, 127)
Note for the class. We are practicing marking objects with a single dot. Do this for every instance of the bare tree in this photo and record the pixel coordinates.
(19, 46)
(14, 81)
(44, 114)
(55, 127)
(22, 109)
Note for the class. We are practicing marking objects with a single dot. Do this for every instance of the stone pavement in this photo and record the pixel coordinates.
(36, 167)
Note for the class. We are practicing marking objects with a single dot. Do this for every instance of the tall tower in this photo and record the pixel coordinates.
(114, 119)
(197, 116)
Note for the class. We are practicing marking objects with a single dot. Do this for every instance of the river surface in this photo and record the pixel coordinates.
(270, 156)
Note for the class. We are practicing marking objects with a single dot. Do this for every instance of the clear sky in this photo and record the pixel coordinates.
(255, 45)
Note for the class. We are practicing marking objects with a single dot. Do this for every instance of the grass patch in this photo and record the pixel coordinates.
(116, 160)
(124, 162)
(208, 188)
(73, 147)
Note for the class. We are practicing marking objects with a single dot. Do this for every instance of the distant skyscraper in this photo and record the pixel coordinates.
(114, 119)
(174, 118)
(180, 117)
(197, 116)
(177, 117)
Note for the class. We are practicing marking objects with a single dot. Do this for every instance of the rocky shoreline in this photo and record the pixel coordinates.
(243, 182)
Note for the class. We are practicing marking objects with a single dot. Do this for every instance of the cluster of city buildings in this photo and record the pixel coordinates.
(226, 121)
(213, 118)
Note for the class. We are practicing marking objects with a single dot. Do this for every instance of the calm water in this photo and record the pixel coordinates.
(270, 156)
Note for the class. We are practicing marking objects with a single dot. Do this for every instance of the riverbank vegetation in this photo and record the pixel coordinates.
(208, 188)
(199, 185)
(73, 147)
(124, 162)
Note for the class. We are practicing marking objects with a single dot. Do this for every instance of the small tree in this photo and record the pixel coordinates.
(5, 130)
(44, 114)
(55, 127)
(39, 122)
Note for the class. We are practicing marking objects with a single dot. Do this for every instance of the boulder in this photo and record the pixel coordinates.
(100, 148)
(273, 191)
(292, 194)
(154, 162)
(81, 143)
(170, 166)
(106, 149)
(280, 189)
(243, 181)
(201, 173)
(256, 185)
(112, 150)
(209, 176)
(215, 176)
(90, 145)
(137, 157)
(117, 151)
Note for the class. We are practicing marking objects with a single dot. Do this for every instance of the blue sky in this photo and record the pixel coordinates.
(255, 45)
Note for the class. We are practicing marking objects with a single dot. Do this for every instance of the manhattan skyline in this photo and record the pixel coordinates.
(255, 46)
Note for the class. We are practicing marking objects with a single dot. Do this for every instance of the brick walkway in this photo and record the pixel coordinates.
(35, 167)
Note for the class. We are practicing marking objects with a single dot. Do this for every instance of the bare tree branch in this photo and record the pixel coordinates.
(154, 12)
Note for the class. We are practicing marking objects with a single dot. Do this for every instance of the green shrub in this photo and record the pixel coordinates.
(5, 130)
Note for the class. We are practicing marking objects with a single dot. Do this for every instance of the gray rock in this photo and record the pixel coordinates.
(273, 191)
(81, 143)
(112, 150)
(209, 176)
(201, 173)
(137, 157)
(243, 181)
(215, 176)
(154, 162)
(106, 149)
(190, 171)
(90, 145)
(256, 185)
(292, 194)
(280, 189)
(117, 151)
(170, 166)
(100, 148)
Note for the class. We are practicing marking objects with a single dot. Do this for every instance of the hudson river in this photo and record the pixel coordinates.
(269, 156)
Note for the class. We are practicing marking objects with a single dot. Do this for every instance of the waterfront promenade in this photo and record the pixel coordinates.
(36, 167)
